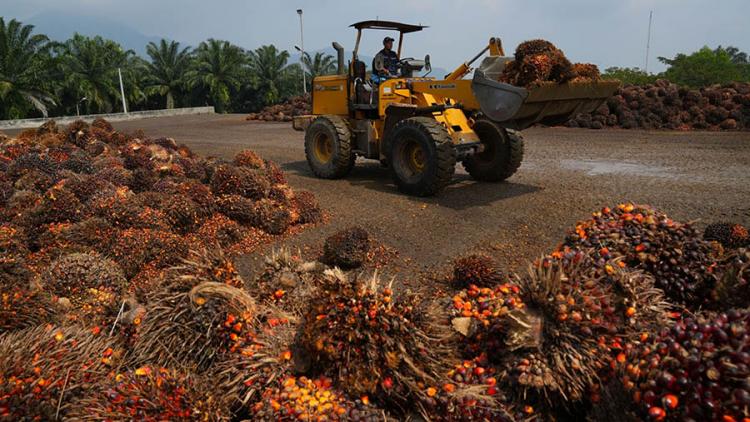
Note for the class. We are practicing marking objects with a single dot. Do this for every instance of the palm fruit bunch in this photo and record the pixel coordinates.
(307, 207)
(696, 370)
(244, 373)
(734, 279)
(536, 62)
(194, 324)
(209, 264)
(24, 307)
(43, 370)
(586, 72)
(370, 342)
(218, 229)
(647, 239)
(478, 314)
(476, 269)
(347, 248)
(132, 249)
(89, 285)
(287, 281)
(305, 399)
(272, 217)
(149, 393)
(249, 158)
(728, 234)
(471, 393)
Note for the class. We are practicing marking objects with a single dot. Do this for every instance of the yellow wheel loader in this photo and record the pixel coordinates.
(420, 126)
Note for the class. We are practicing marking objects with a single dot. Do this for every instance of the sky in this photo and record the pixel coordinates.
(604, 32)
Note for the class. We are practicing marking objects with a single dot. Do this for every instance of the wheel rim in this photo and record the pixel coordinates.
(412, 158)
(323, 147)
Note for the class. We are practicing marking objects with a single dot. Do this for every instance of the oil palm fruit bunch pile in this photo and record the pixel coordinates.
(304, 399)
(128, 205)
(539, 61)
(477, 270)
(646, 239)
(695, 370)
(665, 105)
(149, 393)
(285, 111)
(347, 248)
(730, 235)
(44, 370)
(370, 342)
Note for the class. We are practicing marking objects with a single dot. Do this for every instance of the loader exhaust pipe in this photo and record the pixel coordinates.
(340, 52)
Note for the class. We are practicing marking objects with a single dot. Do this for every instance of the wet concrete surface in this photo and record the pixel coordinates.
(566, 174)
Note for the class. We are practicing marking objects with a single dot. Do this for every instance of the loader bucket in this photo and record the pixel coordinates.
(550, 103)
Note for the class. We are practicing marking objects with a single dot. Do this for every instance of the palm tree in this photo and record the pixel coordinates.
(321, 64)
(166, 71)
(90, 68)
(219, 68)
(24, 60)
(269, 67)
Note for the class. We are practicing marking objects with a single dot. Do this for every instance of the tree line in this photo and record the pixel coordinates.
(40, 77)
(702, 68)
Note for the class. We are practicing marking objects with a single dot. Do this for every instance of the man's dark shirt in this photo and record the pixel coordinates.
(389, 60)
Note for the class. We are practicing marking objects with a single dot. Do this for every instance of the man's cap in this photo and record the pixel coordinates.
(386, 39)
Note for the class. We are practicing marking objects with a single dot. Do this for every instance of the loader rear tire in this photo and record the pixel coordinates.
(328, 147)
(422, 158)
(502, 155)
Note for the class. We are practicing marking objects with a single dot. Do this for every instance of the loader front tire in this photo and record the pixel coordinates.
(328, 147)
(422, 158)
(502, 155)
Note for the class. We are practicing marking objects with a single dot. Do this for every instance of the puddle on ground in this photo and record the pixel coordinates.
(599, 167)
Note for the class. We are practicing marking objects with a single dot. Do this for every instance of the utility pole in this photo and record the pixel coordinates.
(122, 92)
(648, 38)
(302, 50)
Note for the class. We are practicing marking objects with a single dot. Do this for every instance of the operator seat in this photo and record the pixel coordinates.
(364, 96)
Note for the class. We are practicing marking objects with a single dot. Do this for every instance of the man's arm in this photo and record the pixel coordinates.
(379, 64)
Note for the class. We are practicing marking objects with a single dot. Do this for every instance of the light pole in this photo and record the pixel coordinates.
(78, 112)
(122, 93)
(302, 51)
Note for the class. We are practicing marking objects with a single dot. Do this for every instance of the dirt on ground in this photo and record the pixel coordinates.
(566, 174)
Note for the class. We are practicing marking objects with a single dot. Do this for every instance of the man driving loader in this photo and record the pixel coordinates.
(385, 63)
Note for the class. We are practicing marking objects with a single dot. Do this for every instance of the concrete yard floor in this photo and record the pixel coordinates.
(566, 174)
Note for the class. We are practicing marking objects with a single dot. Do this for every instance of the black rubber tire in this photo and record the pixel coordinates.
(502, 155)
(439, 157)
(342, 158)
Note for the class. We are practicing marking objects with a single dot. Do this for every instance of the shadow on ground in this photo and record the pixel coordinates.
(462, 193)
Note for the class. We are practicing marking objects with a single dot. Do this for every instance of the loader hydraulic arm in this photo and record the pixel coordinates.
(495, 47)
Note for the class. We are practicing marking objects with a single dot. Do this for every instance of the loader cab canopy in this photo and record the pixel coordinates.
(402, 28)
